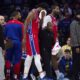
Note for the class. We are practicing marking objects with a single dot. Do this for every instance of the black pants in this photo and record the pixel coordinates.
(46, 58)
(76, 63)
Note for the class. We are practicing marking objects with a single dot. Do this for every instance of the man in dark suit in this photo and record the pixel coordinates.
(2, 77)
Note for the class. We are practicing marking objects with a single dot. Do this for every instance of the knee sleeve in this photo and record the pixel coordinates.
(38, 63)
(27, 64)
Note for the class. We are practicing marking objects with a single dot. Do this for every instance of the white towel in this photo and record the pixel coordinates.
(41, 12)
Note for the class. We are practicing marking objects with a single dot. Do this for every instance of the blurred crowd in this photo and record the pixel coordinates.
(23, 7)
(53, 48)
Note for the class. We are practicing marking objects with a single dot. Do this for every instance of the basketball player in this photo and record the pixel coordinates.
(31, 31)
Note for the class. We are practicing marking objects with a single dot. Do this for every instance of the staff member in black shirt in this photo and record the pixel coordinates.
(46, 43)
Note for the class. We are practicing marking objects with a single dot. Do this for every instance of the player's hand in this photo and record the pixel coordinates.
(24, 45)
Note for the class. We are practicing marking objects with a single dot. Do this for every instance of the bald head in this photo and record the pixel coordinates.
(1, 19)
(1, 16)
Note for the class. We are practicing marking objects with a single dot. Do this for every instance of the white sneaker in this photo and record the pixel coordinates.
(66, 79)
(60, 76)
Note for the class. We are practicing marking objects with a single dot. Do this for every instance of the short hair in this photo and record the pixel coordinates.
(54, 6)
(67, 50)
(1, 17)
(15, 13)
(43, 5)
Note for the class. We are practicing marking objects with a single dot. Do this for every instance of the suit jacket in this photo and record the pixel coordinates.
(1, 37)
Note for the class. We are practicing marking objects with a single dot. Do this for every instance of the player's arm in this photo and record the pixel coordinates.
(27, 21)
(29, 18)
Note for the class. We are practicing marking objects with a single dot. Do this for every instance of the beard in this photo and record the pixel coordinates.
(57, 15)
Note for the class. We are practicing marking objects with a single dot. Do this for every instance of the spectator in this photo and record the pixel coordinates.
(75, 43)
(24, 12)
(65, 64)
(67, 46)
(64, 28)
(76, 8)
(67, 8)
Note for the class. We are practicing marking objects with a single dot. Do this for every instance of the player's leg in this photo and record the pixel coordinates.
(27, 65)
(8, 58)
(17, 59)
(39, 66)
